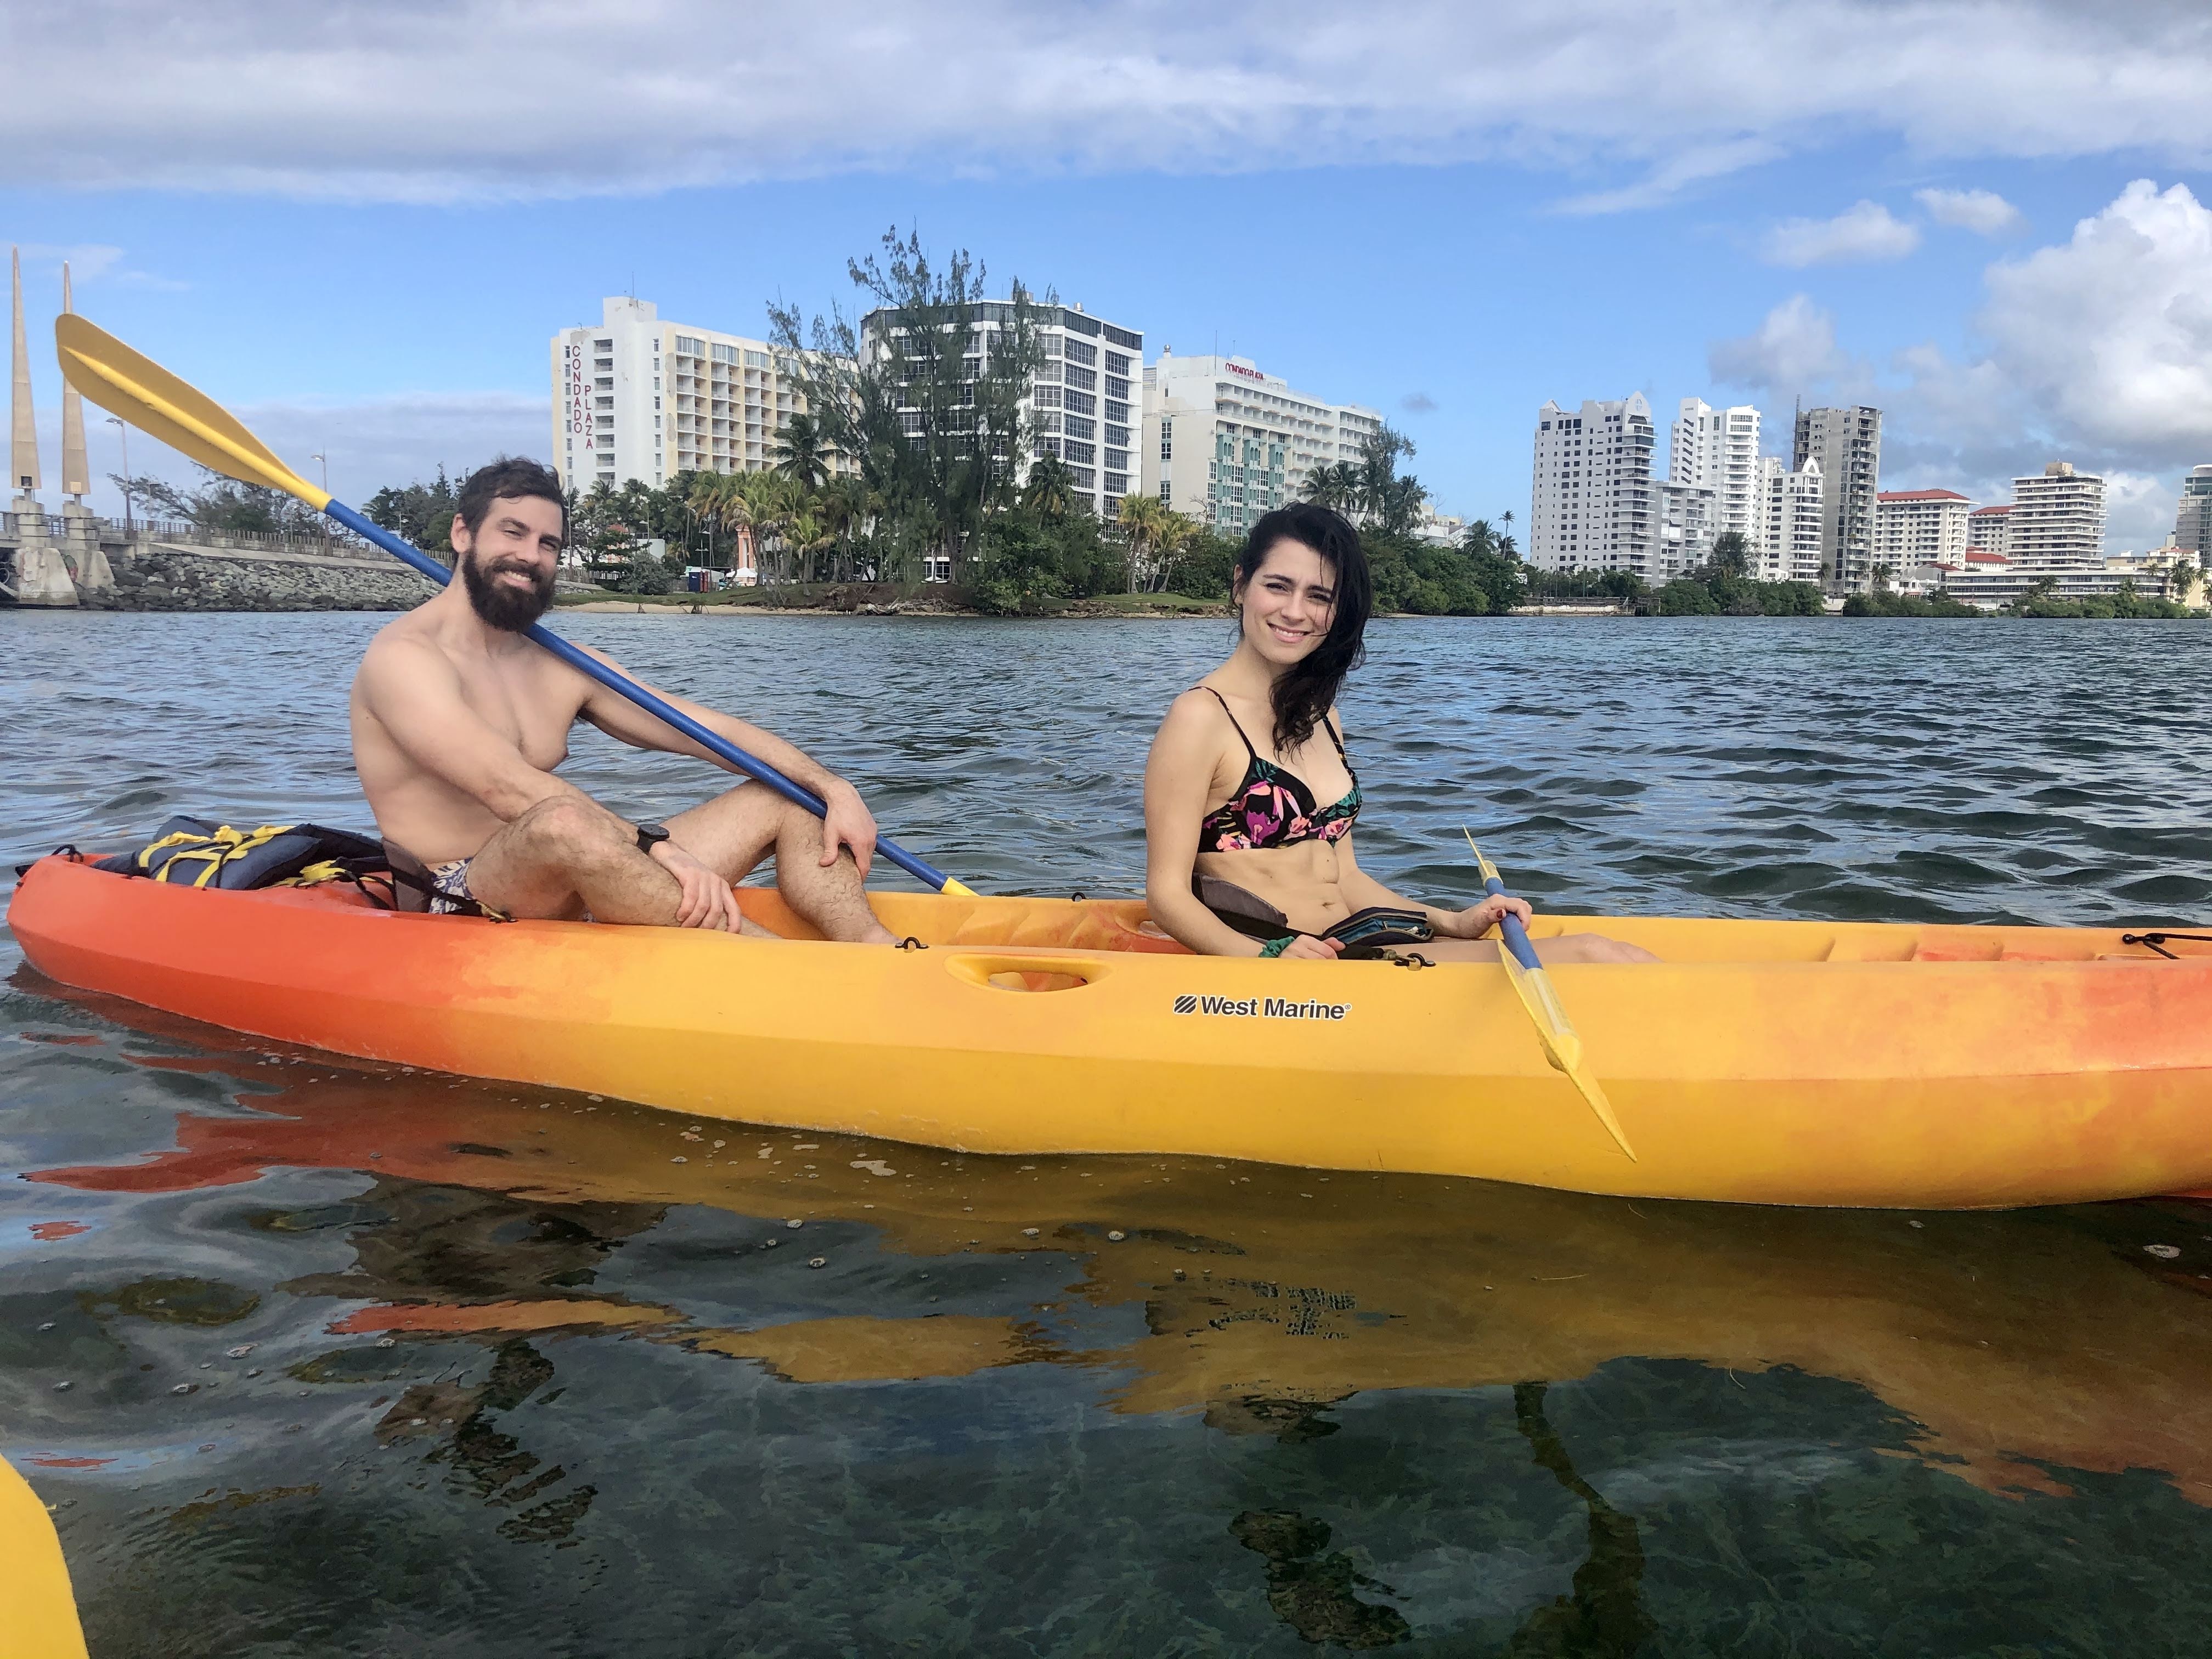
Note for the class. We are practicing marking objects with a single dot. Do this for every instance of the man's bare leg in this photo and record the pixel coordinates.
(566, 856)
(734, 831)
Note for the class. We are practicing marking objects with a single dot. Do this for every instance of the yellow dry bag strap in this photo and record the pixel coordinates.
(213, 852)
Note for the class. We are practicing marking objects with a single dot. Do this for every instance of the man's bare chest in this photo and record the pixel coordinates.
(532, 708)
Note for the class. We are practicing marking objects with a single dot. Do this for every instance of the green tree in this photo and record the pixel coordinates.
(1730, 555)
(802, 451)
(1050, 491)
(925, 397)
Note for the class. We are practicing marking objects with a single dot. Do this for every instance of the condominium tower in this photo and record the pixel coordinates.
(1847, 442)
(1989, 529)
(639, 398)
(2193, 524)
(2058, 520)
(1593, 502)
(1085, 403)
(1792, 518)
(1224, 442)
(1920, 527)
(1719, 448)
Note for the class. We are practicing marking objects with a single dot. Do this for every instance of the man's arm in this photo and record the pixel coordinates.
(415, 694)
(848, 823)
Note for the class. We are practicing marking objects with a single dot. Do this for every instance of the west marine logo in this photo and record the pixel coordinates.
(1259, 1007)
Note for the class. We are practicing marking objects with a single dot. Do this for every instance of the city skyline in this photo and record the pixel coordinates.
(1420, 216)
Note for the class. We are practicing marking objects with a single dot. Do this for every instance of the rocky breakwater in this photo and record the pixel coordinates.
(173, 576)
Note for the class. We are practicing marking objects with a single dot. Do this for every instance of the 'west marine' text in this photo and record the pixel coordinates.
(1260, 1007)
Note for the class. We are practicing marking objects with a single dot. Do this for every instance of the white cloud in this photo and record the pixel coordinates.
(1862, 233)
(1793, 350)
(94, 265)
(1982, 211)
(487, 100)
(2096, 351)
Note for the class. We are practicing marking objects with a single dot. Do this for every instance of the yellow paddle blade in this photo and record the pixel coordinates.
(1562, 1045)
(954, 888)
(122, 382)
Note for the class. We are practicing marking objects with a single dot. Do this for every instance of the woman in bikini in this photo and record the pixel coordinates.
(1250, 798)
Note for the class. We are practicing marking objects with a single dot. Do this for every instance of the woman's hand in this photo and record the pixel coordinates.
(1307, 948)
(1479, 918)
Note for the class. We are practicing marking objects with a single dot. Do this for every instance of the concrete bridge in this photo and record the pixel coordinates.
(70, 558)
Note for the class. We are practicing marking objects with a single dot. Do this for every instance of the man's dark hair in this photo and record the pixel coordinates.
(1304, 692)
(511, 477)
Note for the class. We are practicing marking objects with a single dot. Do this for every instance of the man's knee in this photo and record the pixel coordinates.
(564, 828)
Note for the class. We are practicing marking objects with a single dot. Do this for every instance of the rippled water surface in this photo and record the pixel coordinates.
(365, 1361)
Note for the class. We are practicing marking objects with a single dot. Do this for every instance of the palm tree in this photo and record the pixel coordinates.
(802, 451)
(1050, 491)
(1882, 573)
(1334, 485)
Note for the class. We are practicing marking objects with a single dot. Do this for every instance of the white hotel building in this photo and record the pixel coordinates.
(1594, 506)
(1914, 528)
(636, 398)
(1718, 449)
(1224, 442)
(1792, 517)
(1085, 403)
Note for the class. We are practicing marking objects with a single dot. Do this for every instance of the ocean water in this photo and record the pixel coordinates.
(365, 1361)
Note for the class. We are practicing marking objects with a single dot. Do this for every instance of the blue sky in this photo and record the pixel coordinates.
(362, 234)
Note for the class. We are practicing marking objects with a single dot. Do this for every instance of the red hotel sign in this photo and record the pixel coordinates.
(1248, 373)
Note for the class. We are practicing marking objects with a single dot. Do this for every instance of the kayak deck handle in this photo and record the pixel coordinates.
(994, 972)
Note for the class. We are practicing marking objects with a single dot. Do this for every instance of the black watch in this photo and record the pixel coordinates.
(650, 836)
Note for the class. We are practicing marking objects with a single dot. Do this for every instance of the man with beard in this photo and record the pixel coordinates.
(458, 721)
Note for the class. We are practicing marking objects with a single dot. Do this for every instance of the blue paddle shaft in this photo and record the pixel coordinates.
(720, 747)
(1509, 928)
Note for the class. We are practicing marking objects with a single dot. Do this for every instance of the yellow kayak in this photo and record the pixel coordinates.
(40, 1618)
(1762, 1062)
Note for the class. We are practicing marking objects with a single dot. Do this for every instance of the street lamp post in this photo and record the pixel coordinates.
(123, 436)
(326, 460)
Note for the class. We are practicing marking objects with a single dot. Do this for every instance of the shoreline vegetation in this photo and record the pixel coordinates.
(915, 451)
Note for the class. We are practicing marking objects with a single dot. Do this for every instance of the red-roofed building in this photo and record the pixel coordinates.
(1917, 527)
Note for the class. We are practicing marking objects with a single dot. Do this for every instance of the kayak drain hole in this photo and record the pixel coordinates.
(1037, 981)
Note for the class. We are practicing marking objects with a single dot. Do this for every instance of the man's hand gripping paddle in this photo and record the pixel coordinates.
(122, 382)
(1562, 1047)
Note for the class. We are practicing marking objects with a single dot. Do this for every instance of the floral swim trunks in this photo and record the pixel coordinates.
(450, 895)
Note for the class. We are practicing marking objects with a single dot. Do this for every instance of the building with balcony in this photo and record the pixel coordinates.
(1226, 441)
(1593, 502)
(2058, 521)
(1917, 527)
(639, 398)
(2193, 524)
(1792, 520)
(1989, 529)
(1086, 402)
(1847, 443)
(1719, 448)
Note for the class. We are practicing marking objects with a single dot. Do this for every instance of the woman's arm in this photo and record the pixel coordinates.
(1178, 775)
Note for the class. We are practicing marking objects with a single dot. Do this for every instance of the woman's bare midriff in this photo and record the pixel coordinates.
(1300, 881)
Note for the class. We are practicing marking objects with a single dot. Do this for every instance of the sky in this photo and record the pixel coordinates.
(358, 225)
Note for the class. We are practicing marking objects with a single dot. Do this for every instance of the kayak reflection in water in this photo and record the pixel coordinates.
(459, 720)
(1250, 797)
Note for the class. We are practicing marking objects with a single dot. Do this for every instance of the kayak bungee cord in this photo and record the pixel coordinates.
(126, 382)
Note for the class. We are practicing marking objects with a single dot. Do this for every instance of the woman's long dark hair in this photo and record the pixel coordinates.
(1306, 692)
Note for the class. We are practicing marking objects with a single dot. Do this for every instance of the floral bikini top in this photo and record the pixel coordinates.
(1273, 807)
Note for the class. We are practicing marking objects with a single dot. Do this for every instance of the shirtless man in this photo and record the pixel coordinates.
(458, 721)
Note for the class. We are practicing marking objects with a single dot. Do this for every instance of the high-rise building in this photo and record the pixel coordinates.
(1719, 449)
(1085, 403)
(1847, 442)
(639, 398)
(1593, 500)
(1913, 527)
(1226, 441)
(2192, 526)
(1793, 519)
(2058, 520)
(1686, 518)
(1988, 530)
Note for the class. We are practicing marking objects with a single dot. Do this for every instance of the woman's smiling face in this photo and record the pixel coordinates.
(1289, 603)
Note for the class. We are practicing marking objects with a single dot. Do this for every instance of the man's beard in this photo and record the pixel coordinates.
(511, 609)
